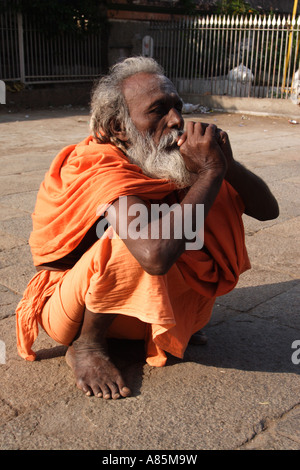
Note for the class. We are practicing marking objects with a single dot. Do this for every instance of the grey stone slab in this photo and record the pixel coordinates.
(290, 424)
(8, 302)
(20, 183)
(16, 278)
(24, 162)
(286, 169)
(289, 197)
(15, 257)
(249, 343)
(287, 192)
(256, 287)
(240, 390)
(277, 247)
(6, 411)
(16, 205)
(9, 241)
(267, 154)
(37, 136)
(283, 309)
(10, 212)
(216, 398)
(9, 309)
(220, 313)
(182, 422)
(252, 225)
(18, 227)
(282, 434)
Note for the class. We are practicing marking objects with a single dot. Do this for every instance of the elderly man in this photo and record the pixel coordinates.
(129, 279)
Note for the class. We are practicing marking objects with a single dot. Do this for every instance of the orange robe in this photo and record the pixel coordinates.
(83, 180)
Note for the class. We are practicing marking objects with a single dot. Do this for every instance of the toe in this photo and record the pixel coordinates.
(105, 392)
(125, 392)
(122, 389)
(97, 392)
(114, 390)
(84, 387)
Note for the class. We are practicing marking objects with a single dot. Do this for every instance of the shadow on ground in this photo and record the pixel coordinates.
(257, 339)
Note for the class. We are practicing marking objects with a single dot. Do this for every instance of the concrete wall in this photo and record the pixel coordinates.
(256, 106)
(79, 95)
(43, 96)
(125, 39)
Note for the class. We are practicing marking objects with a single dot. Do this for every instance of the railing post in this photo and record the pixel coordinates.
(287, 58)
(21, 47)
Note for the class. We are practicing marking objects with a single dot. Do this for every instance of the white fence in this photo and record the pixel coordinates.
(31, 55)
(256, 56)
(237, 56)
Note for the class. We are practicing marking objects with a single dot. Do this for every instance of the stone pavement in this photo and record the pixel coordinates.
(241, 391)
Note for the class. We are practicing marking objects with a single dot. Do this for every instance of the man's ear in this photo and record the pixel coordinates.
(118, 130)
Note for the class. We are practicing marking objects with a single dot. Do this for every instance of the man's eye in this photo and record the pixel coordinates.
(158, 110)
(161, 110)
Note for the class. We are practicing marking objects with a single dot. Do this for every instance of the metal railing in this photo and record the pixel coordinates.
(256, 56)
(30, 55)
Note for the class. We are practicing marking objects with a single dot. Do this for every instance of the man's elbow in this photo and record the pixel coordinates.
(272, 212)
(264, 212)
(157, 270)
(155, 264)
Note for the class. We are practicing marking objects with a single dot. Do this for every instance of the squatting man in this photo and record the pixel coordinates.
(151, 288)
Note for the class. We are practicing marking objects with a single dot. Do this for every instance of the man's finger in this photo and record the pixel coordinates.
(182, 139)
(200, 128)
(211, 130)
(190, 127)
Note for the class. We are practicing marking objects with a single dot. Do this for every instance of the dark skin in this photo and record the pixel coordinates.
(155, 107)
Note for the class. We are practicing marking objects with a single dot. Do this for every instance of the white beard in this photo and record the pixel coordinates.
(162, 161)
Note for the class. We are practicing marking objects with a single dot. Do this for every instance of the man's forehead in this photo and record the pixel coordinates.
(147, 85)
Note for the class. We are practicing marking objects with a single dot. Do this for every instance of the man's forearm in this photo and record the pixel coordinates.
(257, 197)
(202, 192)
(155, 252)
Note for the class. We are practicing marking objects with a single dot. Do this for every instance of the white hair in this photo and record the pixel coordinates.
(109, 110)
(162, 161)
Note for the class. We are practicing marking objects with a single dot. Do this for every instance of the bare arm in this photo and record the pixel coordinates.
(256, 195)
(204, 158)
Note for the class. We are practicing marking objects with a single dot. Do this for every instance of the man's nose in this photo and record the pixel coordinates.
(175, 119)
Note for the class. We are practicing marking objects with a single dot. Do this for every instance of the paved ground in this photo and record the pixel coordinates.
(240, 391)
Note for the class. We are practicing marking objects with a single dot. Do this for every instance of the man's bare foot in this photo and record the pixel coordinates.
(199, 338)
(94, 372)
